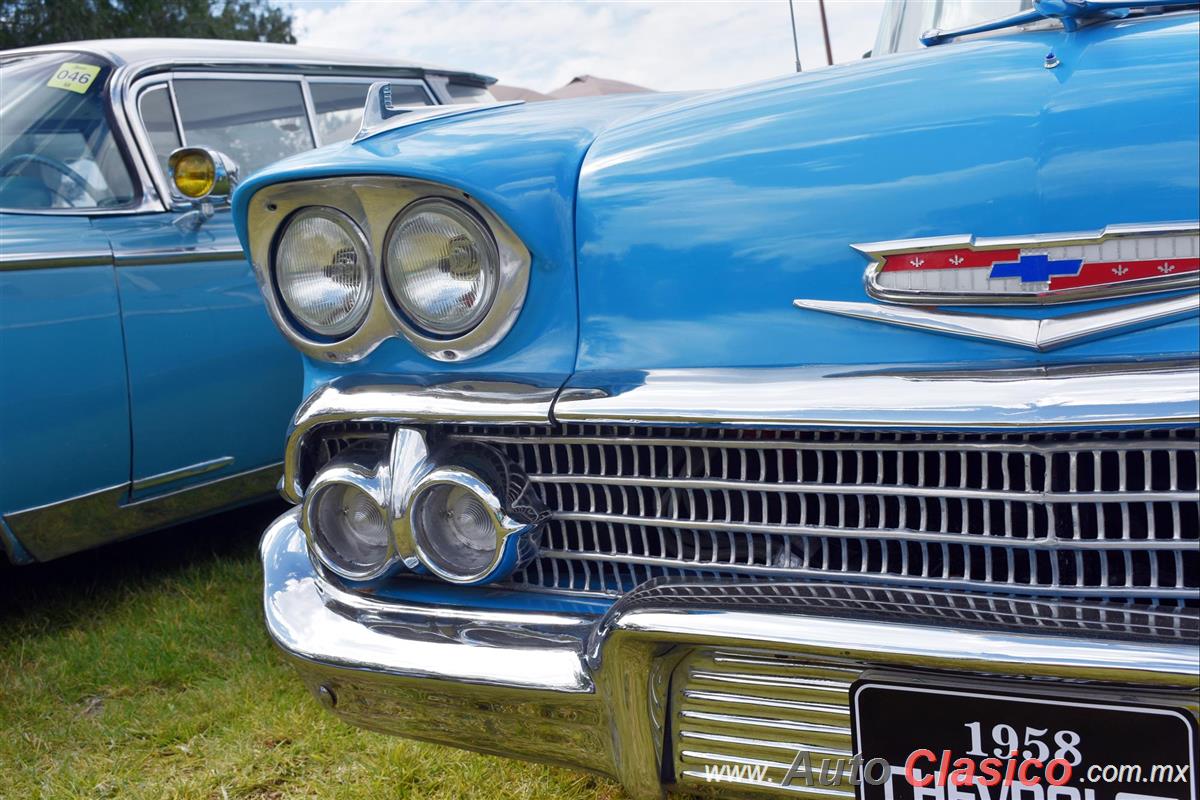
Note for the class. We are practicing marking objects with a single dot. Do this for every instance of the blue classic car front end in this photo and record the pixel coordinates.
(688, 439)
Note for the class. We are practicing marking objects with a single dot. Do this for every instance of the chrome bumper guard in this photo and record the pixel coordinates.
(629, 694)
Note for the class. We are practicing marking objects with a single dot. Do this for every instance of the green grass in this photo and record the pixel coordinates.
(142, 670)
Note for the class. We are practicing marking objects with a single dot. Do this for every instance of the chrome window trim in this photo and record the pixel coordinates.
(124, 134)
(127, 75)
(374, 202)
(148, 83)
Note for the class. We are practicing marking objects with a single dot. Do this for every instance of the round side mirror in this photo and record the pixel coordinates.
(199, 173)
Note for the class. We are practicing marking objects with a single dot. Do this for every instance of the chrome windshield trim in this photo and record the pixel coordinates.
(379, 398)
(1081, 396)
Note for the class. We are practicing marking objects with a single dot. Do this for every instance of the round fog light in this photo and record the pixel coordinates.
(349, 529)
(456, 530)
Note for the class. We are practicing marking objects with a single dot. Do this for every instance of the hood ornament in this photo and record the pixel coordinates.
(1039, 270)
(380, 115)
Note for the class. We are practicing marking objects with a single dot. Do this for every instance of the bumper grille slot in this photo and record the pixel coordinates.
(1112, 514)
(744, 716)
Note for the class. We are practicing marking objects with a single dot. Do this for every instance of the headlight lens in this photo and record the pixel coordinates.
(442, 267)
(323, 271)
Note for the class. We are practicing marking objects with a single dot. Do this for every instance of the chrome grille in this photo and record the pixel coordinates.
(1096, 513)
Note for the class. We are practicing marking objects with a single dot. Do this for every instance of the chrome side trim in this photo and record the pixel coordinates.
(373, 202)
(380, 116)
(69, 526)
(590, 693)
(1092, 395)
(378, 398)
(190, 471)
(84, 258)
(1037, 334)
(138, 258)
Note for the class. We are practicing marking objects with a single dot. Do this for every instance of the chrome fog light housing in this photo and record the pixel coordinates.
(442, 266)
(459, 527)
(463, 513)
(346, 521)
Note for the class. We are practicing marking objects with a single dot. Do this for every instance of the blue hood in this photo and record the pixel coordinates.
(699, 224)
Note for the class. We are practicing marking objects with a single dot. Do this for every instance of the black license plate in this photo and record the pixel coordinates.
(960, 743)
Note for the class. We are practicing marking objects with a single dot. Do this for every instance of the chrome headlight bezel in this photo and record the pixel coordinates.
(373, 203)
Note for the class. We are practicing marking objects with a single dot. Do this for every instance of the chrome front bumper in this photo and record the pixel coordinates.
(603, 693)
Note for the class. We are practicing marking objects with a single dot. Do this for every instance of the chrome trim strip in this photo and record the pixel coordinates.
(79, 523)
(191, 471)
(374, 202)
(138, 258)
(377, 398)
(84, 258)
(1036, 334)
(1080, 396)
(592, 693)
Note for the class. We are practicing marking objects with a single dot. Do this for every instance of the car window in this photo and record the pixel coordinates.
(254, 122)
(159, 120)
(57, 149)
(338, 107)
(468, 93)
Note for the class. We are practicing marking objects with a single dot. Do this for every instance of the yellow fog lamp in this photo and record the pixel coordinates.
(199, 173)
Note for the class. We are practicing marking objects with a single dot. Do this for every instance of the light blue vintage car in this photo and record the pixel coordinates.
(141, 382)
(832, 436)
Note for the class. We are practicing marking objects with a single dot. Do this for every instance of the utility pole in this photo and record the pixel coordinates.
(795, 41)
(824, 29)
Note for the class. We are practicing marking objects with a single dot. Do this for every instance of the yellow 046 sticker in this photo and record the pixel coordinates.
(74, 77)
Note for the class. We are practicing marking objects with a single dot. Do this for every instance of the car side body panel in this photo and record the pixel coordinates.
(64, 403)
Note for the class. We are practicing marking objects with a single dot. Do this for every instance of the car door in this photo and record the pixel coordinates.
(212, 383)
(64, 407)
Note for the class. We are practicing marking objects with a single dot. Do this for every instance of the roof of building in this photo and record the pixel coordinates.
(590, 86)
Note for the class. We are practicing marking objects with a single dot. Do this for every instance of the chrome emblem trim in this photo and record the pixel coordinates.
(1035, 270)
(1037, 334)
(1040, 270)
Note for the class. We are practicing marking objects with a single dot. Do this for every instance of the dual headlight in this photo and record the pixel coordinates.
(441, 269)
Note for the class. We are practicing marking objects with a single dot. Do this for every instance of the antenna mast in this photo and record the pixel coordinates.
(795, 41)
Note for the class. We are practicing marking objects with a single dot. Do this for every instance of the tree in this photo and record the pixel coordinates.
(29, 22)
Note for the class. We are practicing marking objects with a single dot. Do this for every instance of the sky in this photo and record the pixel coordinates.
(542, 44)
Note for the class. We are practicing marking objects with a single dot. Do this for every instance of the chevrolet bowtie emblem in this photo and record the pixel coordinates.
(1033, 270)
